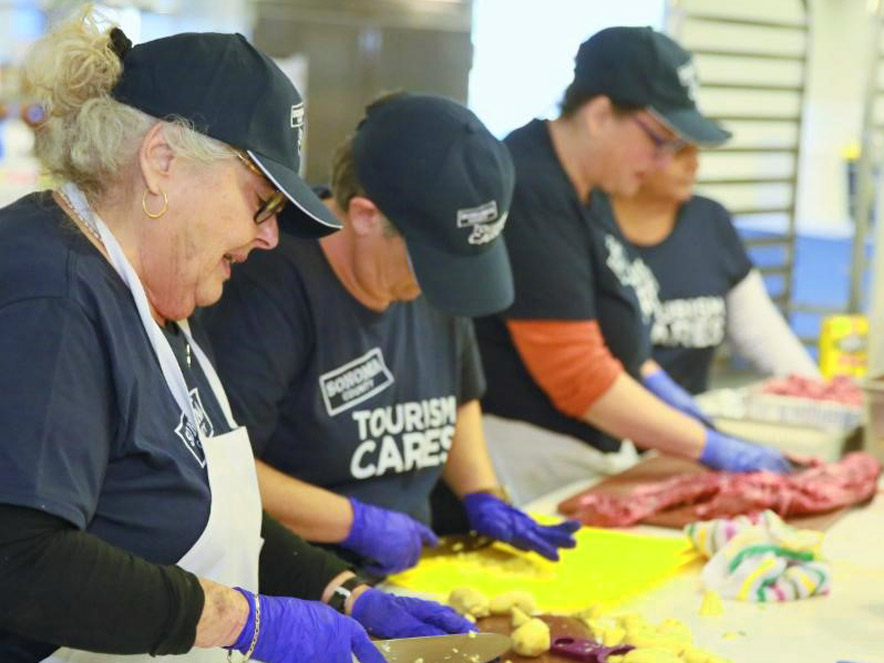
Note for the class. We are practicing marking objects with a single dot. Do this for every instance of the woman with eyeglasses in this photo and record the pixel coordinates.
(569, 366)
(130, 518)
(709, 289)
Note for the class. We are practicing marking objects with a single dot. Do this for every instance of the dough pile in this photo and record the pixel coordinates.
(669, 642)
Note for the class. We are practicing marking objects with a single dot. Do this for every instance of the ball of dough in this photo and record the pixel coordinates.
(469, 601)
(503, 603)
(531, 638)
(519, 617)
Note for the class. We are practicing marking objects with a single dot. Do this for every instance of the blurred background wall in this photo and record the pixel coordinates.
(510, 60)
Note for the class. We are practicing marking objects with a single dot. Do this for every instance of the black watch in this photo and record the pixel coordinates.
(343, 591)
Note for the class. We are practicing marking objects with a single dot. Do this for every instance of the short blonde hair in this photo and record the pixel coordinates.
(89, 138)
(345, 184)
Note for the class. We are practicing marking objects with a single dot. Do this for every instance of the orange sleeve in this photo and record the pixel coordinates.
(568, 359)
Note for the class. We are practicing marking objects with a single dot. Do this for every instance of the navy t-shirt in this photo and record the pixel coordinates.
(91, 432)
(360, 402)
(696, 266)
(570, 262)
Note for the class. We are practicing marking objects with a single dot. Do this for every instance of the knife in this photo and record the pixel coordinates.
(456, 543)
(456, 648)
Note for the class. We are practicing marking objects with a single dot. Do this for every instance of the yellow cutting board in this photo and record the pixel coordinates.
(606, 568)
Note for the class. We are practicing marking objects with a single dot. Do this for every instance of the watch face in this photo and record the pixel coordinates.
(342, 592)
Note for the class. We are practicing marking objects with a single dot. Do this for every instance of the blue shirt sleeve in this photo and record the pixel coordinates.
(260, 343)
(56, 408)
(735, 259)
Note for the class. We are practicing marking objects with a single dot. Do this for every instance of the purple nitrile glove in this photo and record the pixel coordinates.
(387, 616)
(669, 391)
(390, 540)
(296, 631)
(732, 455)
(493, 517)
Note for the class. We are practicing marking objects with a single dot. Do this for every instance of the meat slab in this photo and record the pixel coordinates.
(819, 489)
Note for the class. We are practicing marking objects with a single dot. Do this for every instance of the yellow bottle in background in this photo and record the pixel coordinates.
(844, 346)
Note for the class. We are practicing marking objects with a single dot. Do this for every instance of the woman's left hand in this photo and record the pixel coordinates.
(387, 616)
(491, 516)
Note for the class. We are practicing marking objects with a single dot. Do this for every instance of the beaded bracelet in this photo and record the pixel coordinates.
(251, 650)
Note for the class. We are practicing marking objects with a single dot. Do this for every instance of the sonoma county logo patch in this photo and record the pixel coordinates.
(354, 382)
(485, 222)
(189, 434)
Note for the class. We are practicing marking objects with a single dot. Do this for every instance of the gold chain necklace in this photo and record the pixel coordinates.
(86, 223)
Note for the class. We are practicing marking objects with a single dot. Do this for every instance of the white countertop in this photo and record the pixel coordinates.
(847, 625)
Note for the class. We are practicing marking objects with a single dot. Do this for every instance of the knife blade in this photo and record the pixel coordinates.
(455, 648)
(457, 543)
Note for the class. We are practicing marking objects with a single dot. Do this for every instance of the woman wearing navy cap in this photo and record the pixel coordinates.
(709, 289)
(571, 358)
(130, 518)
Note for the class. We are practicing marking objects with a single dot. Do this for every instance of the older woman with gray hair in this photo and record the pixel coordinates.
(130, 517)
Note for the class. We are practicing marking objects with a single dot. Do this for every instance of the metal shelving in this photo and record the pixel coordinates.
(870, 160)
(739, 55)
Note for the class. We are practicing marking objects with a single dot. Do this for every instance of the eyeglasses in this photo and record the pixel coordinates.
(267, 207)
(662, 144)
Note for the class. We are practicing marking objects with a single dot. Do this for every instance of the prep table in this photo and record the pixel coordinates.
(847, 625)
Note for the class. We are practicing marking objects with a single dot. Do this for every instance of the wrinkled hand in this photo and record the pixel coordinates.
(388, 616)
(732, 455)
(295, 631)
(390, 540)
(669, 391)
(493, 517)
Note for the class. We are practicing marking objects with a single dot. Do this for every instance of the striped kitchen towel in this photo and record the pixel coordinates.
(760, 558)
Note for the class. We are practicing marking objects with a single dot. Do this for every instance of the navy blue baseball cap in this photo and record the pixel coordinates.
(643, 67)
(228, 90)
(446, 184)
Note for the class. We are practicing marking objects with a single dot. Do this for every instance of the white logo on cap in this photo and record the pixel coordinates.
(298, 116)
(297, 119)
(483, 220)
(687, 76)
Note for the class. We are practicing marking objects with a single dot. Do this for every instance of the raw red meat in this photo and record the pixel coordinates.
(839, 389)
(821, 488)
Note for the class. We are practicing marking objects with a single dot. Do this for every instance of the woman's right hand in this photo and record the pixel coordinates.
(389, 541)
(722, 452)
(295, 631)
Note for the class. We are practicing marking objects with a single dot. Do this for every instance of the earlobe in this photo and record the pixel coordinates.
(365, 217)
(598, 112)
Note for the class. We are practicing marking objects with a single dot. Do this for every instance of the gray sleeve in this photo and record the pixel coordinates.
(757, 331)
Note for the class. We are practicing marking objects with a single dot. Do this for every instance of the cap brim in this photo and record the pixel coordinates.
(470, 286)
(305, 215)
(693, 125)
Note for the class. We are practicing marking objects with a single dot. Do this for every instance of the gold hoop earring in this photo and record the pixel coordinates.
(154, 215)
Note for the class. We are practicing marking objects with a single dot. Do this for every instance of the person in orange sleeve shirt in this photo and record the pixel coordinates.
(572, 357)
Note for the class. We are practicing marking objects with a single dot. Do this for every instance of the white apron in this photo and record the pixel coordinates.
(532, 461)
(227, 550)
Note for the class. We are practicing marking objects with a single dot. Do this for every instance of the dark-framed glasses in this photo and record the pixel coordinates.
(267, 207)
(662, 144)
